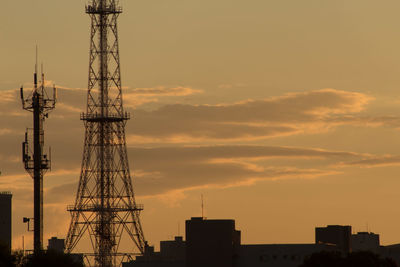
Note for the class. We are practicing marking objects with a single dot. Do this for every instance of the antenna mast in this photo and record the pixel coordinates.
(37, 163)
(202, 207)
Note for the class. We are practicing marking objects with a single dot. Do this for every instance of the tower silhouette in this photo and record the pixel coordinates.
(105, 207)
(36, 162)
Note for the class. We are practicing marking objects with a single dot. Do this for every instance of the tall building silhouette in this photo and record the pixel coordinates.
(5, 218)
(212, 243)
(105, 209)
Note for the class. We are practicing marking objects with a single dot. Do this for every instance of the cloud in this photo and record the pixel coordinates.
(374, 161)
(294, 113)
(160, 170)
(230, 86)
(163, 91)
(291, 114)
(62, 194)
(167, 169)
(139, 96)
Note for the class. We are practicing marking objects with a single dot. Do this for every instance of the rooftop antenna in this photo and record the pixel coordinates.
(41, 70)
(202, 207)
(35, 74)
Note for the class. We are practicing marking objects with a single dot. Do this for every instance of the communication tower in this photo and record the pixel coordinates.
(36, 162)
(105, 207)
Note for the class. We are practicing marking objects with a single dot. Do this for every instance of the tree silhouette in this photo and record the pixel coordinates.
(355, 259)
(325, 259)
(53, 259)
(368, 259)
(6, 258)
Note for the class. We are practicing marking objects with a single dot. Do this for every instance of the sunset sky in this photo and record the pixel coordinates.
(284, 114)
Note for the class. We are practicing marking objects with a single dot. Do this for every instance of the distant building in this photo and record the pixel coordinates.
(211, 243)
(336, 235)
(56, 244)
(173, 250)
(172, 254)
(216, 243)
(5, 218)
(365, 241)
(278, 255)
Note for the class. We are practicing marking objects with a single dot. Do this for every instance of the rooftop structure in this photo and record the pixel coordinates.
(172, 254)
(56, 244)
(365, 241)
(338, 235)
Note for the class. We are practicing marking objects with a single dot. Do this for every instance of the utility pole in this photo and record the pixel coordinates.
(36, 162)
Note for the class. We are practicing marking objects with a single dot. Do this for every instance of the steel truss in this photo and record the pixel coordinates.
(105, 206)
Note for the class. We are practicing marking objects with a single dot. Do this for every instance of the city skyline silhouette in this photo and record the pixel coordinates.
(285, 116)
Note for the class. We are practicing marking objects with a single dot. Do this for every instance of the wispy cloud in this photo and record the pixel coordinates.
(291, 114)
(373, 161)
(185, 168)
(163, 91)
(160, 170)
(136, 97)
(295, 113)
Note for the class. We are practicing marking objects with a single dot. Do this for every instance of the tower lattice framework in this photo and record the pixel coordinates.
(105, 207)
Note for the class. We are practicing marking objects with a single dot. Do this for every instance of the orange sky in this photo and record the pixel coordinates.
(283, 114)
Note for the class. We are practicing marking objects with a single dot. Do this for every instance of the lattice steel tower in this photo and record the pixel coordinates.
(105, 207)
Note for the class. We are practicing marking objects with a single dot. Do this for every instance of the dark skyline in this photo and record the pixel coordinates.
(228, 99)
